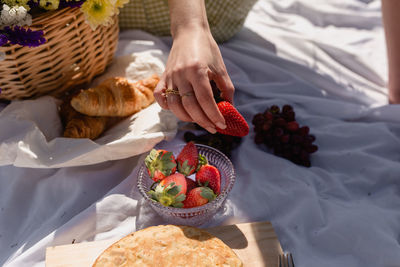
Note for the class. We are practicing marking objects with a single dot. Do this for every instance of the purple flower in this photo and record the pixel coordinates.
(70, 3)
(33, 4)
(24, 37)
(3, 40)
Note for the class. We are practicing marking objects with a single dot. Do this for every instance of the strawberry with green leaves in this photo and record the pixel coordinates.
(236, 125)
(188, 159)
(209, 176)
(201, 162)
(160, 164)
(170, 191)
(198, 197)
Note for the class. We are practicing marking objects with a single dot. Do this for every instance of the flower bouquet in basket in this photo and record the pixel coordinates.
(47, 46)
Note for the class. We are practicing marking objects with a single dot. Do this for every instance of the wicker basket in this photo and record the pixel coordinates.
(72, 55)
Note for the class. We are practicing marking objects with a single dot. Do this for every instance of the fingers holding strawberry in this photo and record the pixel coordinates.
(236, 125)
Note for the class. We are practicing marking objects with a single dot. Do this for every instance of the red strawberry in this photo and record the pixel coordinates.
(170, 191)
(236, 125)
(190, 184)
(198, 197)
(178, 179)
(188, 159)
(160, 164)
(209, 176)
(202, 161)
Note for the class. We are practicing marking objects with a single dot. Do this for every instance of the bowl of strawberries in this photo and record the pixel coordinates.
(186, 186)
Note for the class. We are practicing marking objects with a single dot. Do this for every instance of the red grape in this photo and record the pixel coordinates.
(312, 149)
(274, 109)
(258, 119)
(285, 138)
(278, 130)
(303, 130)
(287, 108)
(292, 126)
(268, 116)
(280, 122)
(266, 126)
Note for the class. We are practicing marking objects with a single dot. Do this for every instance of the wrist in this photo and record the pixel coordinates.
(193, 27)
(394, 98)
(187, 16)
(394, 93)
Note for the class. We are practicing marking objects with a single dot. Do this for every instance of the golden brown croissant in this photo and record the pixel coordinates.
(116, 97)
(77, 125)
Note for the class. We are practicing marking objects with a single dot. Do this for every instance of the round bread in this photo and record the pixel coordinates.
(168, 245)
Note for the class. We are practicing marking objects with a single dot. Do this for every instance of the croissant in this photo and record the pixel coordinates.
(116, 97)
(77, 125)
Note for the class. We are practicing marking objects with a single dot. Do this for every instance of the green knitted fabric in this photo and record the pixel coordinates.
(226, 17)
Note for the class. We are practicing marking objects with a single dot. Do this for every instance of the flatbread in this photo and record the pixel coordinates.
(169, 245)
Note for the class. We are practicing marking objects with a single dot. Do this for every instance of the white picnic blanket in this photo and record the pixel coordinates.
(327, 59)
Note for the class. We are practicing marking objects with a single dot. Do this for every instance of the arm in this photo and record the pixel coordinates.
(391, 21)
(193, 61)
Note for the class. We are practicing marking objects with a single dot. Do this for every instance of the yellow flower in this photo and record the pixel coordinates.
(12, 3)
(121, 3)
(98, 12)
(49, 4)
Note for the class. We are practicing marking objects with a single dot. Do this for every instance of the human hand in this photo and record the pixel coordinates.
(394, 100)
(394, 95)
(194, 60)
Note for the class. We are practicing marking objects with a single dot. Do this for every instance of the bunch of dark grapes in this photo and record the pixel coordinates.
(279, 131)
(222, 142)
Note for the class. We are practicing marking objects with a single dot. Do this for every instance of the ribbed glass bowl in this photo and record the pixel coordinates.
(198, 215)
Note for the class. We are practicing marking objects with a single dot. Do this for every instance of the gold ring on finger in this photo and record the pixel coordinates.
(171, 91)
(190, 93)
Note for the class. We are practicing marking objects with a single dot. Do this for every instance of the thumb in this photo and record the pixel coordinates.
(159, 92)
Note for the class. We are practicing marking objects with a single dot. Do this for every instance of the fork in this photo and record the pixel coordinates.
(286, 260)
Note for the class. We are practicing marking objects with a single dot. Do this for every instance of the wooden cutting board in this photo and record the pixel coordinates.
(256, 244)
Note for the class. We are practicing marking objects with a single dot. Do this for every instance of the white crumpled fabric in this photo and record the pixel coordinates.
(31, 129)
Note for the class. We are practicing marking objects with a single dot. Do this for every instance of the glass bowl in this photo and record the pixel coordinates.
(198, 215)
